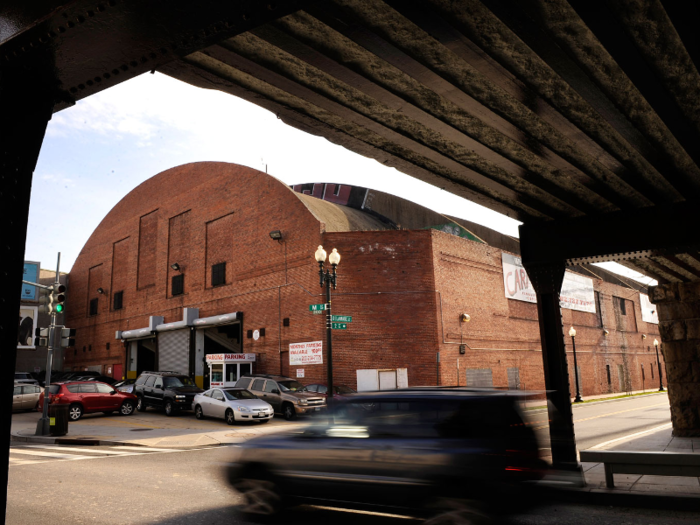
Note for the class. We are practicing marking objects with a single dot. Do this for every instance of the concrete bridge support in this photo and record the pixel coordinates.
(679, 323)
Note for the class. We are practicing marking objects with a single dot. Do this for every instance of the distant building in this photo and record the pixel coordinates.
(31, 358)
(185, 267)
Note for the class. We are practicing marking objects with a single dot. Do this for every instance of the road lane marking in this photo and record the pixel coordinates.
(75, 449)
(630, 436)
(47, 454)
(610, 414)
(148, 449)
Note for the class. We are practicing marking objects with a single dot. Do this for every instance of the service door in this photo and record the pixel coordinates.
(174, 351)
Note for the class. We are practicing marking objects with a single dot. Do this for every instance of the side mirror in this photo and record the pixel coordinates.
(112, 392)
(275, 391)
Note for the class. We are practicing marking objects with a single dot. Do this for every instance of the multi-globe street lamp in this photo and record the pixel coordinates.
(572, 333)
(328, 278)
(661, 384)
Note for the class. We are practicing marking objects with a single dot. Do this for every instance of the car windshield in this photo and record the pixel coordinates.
(174, 382)
(239, 394)
(291, 386)
(343, 390)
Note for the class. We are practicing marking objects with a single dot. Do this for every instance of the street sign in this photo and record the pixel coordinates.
(317, 308)
(339, 326)
(341, 318)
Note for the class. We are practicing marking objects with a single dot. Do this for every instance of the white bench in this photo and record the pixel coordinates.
(649, 463)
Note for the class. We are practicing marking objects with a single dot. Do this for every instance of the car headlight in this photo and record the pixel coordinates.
(243, 409)
(180, 397)
(303, 401)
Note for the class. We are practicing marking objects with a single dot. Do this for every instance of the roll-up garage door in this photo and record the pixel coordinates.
(174, 351)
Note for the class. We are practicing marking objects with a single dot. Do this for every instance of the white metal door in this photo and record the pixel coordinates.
(387, 380)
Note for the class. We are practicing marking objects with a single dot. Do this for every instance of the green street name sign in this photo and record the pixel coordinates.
(341, 318)
(317, 308)
(339, 326)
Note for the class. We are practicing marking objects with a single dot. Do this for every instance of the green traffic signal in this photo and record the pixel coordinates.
(59, 308)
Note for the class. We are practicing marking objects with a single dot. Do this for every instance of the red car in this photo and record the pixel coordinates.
(87, 397)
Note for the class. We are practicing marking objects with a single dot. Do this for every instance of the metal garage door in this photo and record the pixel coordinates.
(174, 351)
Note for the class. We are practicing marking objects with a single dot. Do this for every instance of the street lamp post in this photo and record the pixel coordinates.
(329, 279)
(661, 384)
(572, 333)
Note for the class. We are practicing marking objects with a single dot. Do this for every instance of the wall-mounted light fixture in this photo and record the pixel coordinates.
(606, 333)
(464, 318)
(175, 267)
(100, 291)
(644, 336)
(276, 235)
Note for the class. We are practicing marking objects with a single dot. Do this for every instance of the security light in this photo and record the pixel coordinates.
(276, 235)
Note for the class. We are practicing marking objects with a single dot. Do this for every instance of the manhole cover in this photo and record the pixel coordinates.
(140, 429)
(241, 435)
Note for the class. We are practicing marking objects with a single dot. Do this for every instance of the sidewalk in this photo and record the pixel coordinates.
(657, 440)
(542, 403)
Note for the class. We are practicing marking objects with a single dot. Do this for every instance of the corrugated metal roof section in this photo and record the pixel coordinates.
(338, 218)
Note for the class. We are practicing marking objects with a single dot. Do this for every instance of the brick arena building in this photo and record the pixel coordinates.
(185, 266)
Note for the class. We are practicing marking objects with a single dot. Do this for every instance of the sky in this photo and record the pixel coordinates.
(97, 151)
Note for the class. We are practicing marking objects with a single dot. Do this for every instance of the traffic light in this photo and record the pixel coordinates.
(67, 337)
(42, 337)
(45, 300)
(59, 297)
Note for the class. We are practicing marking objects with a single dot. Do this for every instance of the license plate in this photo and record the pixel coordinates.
(317, 409)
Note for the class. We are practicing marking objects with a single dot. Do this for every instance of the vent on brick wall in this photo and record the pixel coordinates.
(285, 321)
(107, 346)
(93, 306)
(118, 300)
(262, 332)
(249, 334)
(178, 284)
(218, 274)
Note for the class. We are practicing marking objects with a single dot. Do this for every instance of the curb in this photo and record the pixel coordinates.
(605, 497)
(51, 440)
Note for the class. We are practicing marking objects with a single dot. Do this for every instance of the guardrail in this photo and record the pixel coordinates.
(645, 463)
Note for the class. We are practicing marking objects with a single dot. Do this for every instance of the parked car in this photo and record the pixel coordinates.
(170, 391)
(284, 394)
(127, 385)
(25, 397)
(232, 404)
(100, 378)
(25, 378)
(87, 397)
(415, 449)
(340, 391)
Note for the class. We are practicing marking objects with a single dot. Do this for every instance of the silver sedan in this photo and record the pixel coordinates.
(231, 404)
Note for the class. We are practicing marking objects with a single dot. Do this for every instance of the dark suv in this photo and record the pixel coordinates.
(432, 450)
(284, 394)
(170, 391)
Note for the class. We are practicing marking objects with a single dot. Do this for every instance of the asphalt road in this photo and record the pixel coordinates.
(598, 422)
(111, 485)
(186, 488)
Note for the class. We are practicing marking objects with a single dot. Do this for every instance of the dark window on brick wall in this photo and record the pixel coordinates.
(118, 300)
(598, 311)
(93, 306)
(178, 284)
(620, 305)
(218, 274)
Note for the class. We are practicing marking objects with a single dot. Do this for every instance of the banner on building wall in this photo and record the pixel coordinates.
(306, 353)
(576, 290)
(577, 293)
(31, 273)
(27, 325)
(649, 313)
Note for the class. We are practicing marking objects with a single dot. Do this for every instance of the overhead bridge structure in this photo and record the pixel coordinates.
(580, 118)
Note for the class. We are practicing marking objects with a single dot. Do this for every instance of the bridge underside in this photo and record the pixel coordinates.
(579, 118)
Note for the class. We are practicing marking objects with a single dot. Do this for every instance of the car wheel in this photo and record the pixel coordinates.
(198, 412)
(230, 418)
(75, 412)
(260, 497)
(127, 408)
(141, 404)
(169, 408)
(288, 412)
(456, 512)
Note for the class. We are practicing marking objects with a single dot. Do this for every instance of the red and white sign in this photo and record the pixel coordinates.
(230, 357)
(306, 353)
(300, 372)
